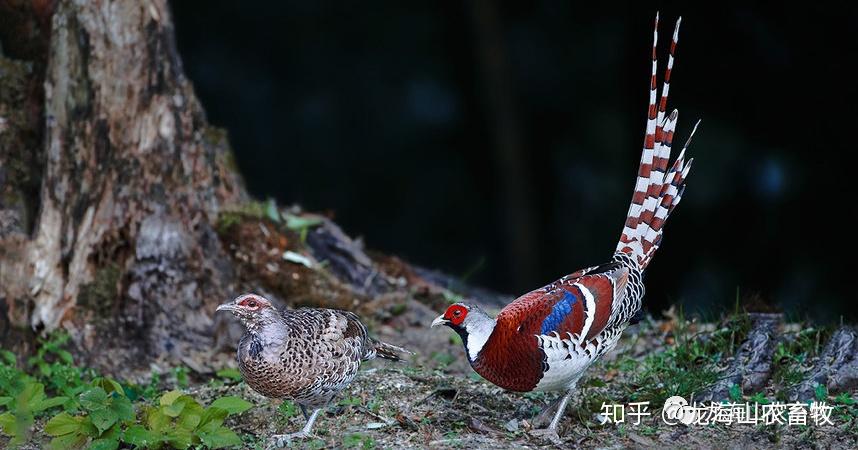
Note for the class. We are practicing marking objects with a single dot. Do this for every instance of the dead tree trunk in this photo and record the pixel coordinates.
(111, 180)
(121, 218)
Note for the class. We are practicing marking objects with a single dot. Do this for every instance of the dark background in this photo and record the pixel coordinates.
(499, 141)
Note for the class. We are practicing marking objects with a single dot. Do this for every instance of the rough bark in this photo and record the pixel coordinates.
(752, 365)
(836, 368)
(117, 242)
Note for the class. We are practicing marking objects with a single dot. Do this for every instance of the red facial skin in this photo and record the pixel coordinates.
(456, 314)
(253, 303)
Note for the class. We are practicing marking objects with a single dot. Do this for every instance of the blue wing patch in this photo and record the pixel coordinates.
(559, 312)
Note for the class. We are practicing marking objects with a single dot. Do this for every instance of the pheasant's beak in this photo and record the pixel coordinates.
(226, 307)
(439, 321)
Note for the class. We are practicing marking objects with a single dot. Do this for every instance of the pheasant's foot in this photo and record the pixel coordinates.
(282, 440)
(548, 434)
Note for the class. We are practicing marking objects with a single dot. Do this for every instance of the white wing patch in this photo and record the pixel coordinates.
(590, 309)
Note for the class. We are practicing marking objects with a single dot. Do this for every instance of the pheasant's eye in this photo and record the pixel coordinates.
(457, 312)
(252, 304)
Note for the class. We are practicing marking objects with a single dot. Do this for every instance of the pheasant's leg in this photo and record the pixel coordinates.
(544, 417)
(282, 440)
(551, 432)
(309, 426)
(560, 411)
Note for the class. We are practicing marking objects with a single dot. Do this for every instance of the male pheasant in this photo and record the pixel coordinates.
(546, 339)
(307, 355)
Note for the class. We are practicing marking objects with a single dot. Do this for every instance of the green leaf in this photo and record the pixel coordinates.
(62, 423)
(175, 409)
(232, 404)
(220, 438)
(109, 385)
(271, 210)
(158, 421)
(139, 436)
(94, 398)
(212, 419)
(297, 223)
(735, 392)
(229, 373)
(5, 401)
(170, 397)
(122, 407)
(49, 403)
(104, 444)
(180, 438)
(88, 428)
(8, 424)
(32, 394)
(65, 356)
(8, 357)
(68, 441)
(843, 399)
(191, 416)
(103, 418)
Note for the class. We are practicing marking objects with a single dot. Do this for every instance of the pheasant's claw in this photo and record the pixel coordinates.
(283, 440)
(548, 434)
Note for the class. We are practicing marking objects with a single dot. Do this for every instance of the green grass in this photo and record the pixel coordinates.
(793, 355)
(688, 365)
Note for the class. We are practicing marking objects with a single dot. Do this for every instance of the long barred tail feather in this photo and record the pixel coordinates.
(657, 190)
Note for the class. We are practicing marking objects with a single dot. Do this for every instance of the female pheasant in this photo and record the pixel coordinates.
(545, 339)
(307, 355)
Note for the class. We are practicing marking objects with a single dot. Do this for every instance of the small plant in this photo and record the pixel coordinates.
(181, 375)
(443, 359)
(350, 401)
(288, 409)
(846, 408)
(735, 392)
(22, 408)
(301, 224)
(99, 413)
(229, 374)
(106, 409)
(374, 405)
(358, 440)
(50, 348)
(180, 421)
(792, 355)
(759, 398)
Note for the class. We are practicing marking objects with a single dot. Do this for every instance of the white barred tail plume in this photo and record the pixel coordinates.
(658, 189)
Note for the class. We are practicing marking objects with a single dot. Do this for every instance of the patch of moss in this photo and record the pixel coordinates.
(100, 295)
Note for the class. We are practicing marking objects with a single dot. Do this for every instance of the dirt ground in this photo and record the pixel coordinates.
(437, 401)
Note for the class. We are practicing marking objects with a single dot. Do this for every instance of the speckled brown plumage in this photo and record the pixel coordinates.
(306, 355)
